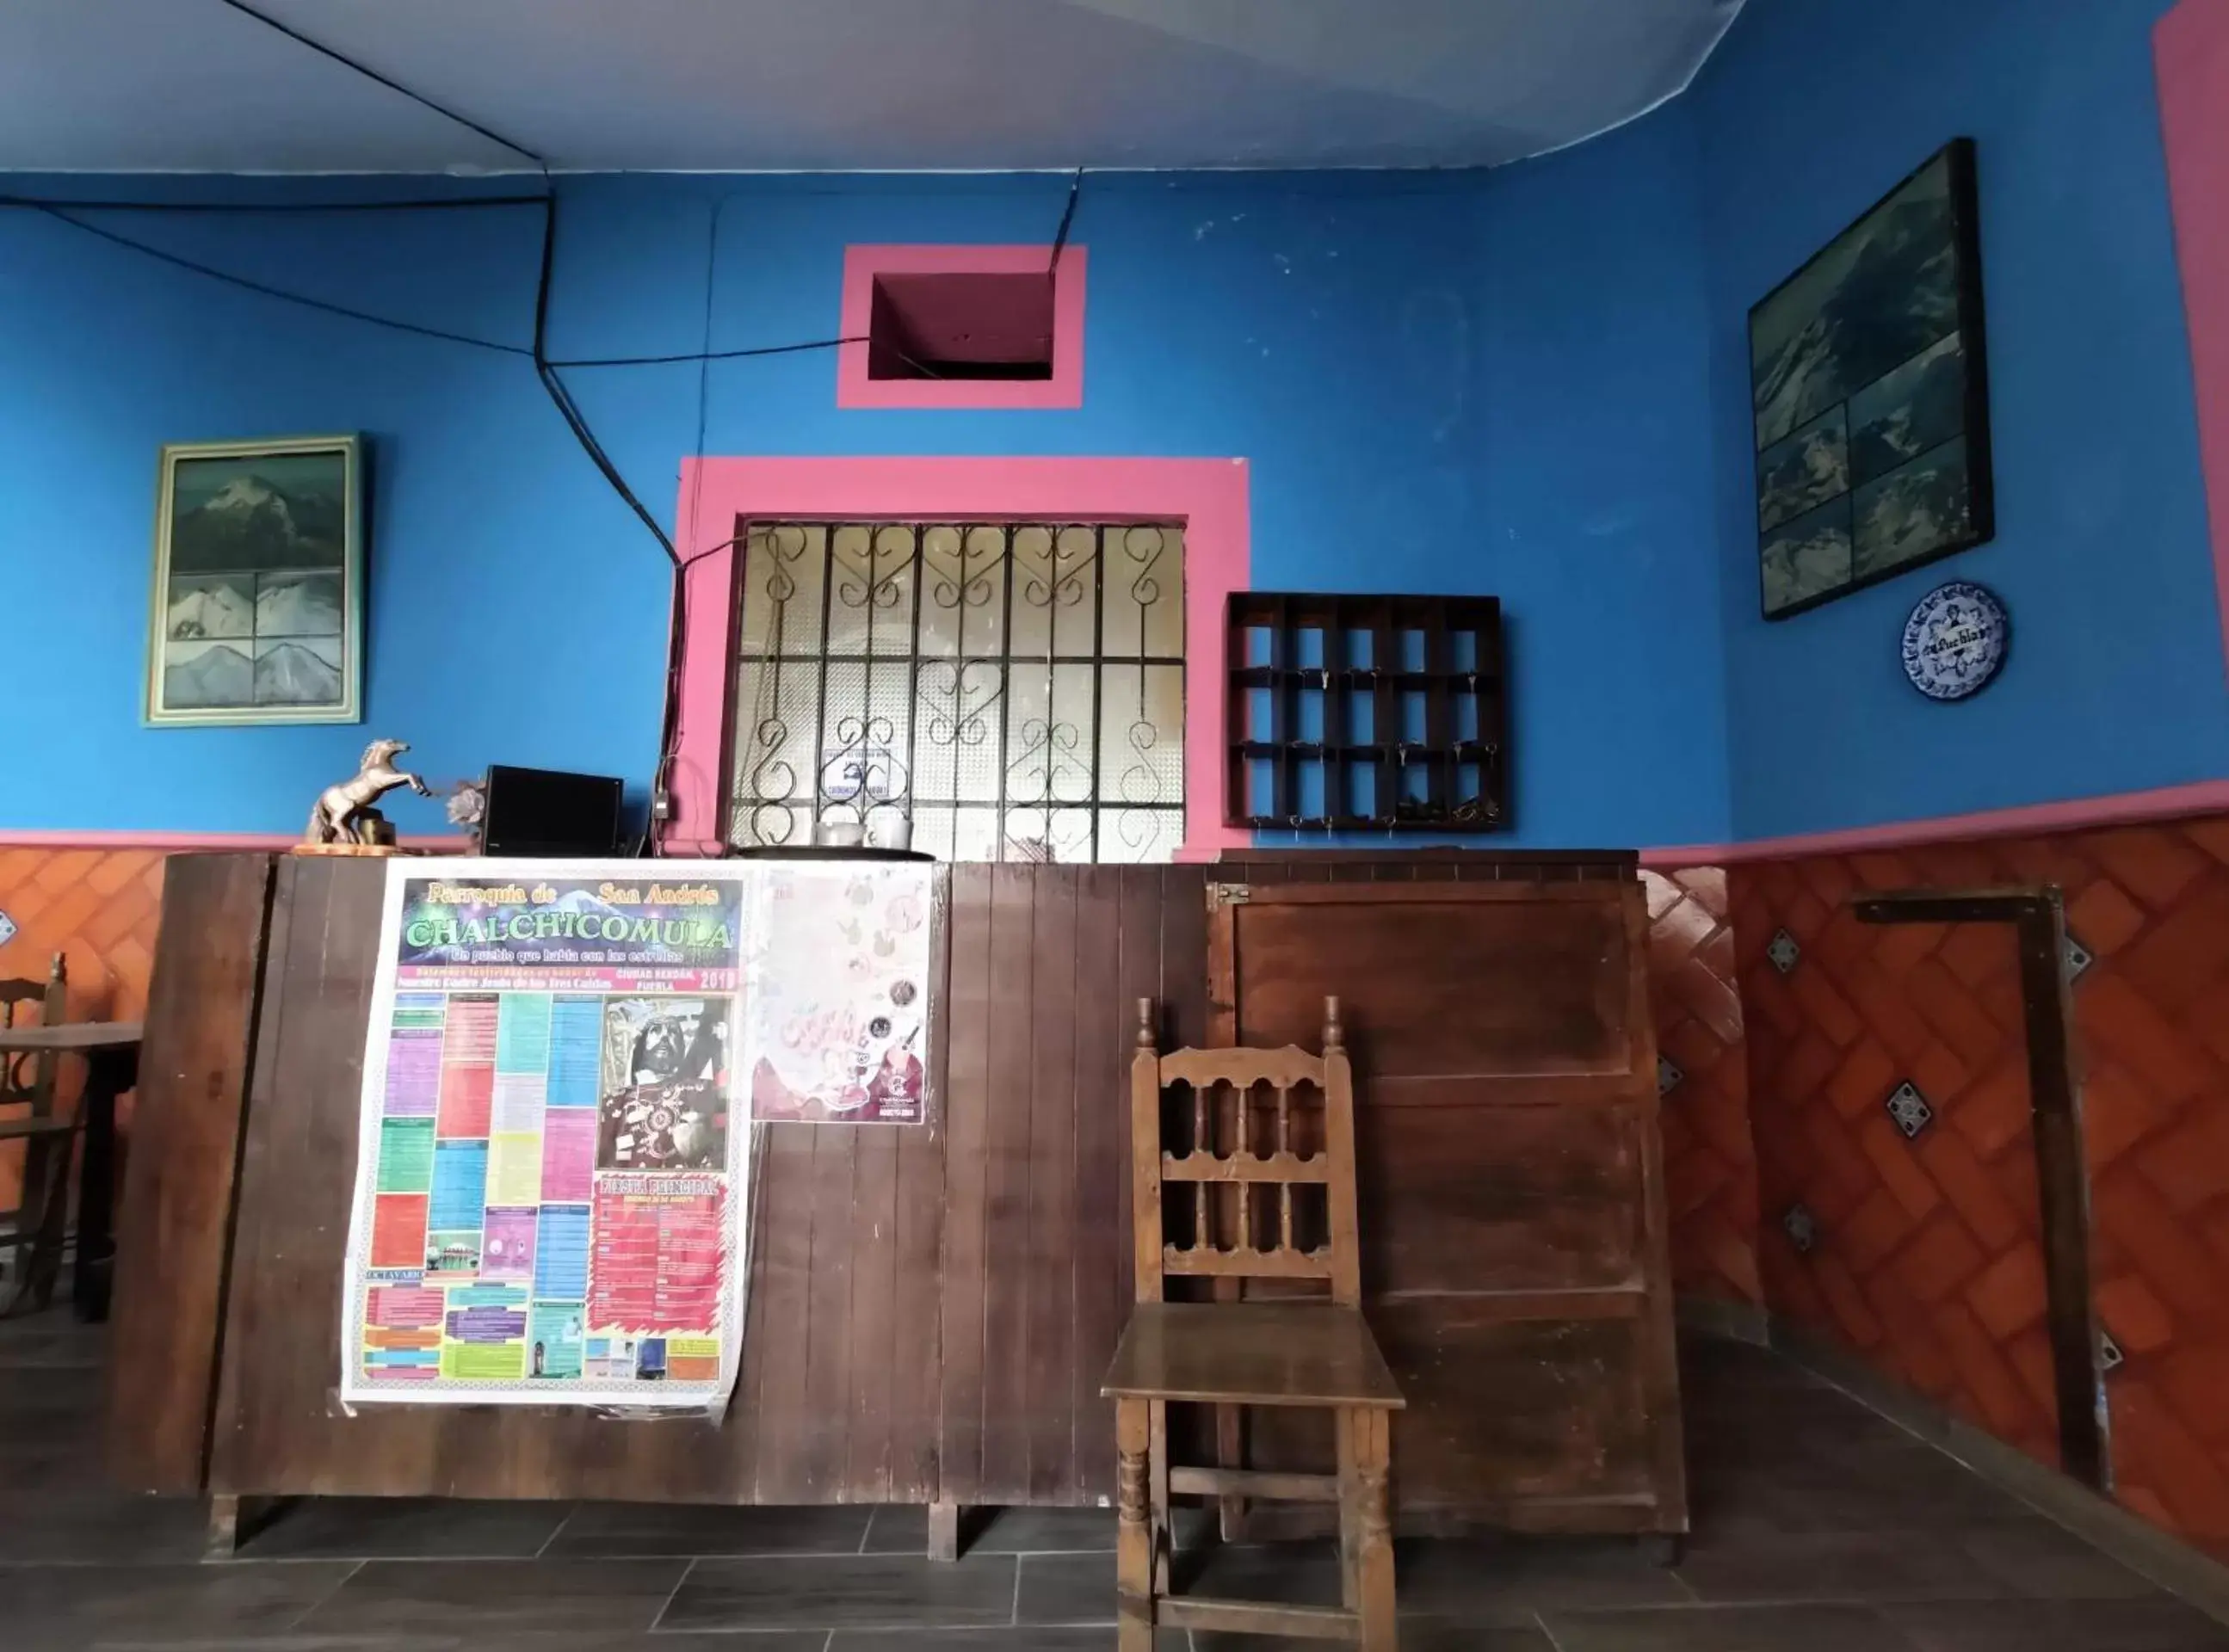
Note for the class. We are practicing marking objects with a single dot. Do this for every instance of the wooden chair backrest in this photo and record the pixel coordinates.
(1222, 1185)
(25, 1078)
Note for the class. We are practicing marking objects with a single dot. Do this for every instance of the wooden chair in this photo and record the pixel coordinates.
(27, 1081)
(1296, 1351)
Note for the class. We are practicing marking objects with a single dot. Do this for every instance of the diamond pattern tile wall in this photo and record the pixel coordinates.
(1710, 1165)
(1922, 1253)
(1926, 1257)
(96, 907)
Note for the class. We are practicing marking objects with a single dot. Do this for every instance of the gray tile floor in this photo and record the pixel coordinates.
(1819, 1528)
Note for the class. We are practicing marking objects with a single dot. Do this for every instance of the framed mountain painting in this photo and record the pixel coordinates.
(257, 607)
(1869, 390)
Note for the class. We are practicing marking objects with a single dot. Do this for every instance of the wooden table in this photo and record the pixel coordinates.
(110, 1049)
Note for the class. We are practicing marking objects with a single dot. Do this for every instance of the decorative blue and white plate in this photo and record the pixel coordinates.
(1956, 640)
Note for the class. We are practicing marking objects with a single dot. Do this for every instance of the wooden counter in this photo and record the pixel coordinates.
(930, 1309)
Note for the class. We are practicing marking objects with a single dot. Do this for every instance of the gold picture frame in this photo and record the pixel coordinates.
(255, 615)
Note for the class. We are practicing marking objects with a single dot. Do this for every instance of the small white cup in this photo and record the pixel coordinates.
(893, 832)
(838, 835)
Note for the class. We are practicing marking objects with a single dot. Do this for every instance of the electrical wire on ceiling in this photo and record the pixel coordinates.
(546, 368)
(1067, 217)
(553, 384)
(371, 74)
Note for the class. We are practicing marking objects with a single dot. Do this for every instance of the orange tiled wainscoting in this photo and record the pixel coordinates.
(1923, 1254)
(1710, 1166)
(96, 907)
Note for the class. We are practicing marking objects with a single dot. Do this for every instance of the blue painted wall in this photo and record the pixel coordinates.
(1456, 381)
(1809, 111)
(1531, 382)
(485, 530)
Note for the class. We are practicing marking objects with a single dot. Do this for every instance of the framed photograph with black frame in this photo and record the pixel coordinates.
(1869, 390)
(257, 610)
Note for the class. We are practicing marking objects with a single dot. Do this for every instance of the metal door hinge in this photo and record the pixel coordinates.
(1220, 895)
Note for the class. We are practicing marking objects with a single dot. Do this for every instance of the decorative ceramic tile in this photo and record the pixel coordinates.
(1909, 1108)
(1803, 1227)
(98, 908)
(2109, 1357)
(1783, 951)
(1668, 1075)
(2078, 958)
(2143, 900)
(1710, 1165)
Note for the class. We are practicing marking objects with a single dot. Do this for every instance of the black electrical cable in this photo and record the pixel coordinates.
(546, 368)
(371, 74)
(559, 393)
(676, 617)
(562, 398)
(712, 356)
(444, 203)
(280, 293)
(554, 386)
(1067, 217)
(61, 209)
(63, 212)
(552, 382)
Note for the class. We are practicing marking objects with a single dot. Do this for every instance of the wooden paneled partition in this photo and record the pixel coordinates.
(1514, 1254)
(932, 1308)
(174, 1224)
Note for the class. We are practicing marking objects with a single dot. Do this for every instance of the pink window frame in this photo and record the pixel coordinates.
(720, 496)
(863, 264)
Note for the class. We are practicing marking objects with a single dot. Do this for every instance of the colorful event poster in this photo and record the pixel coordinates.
(837, 992)
(550, 1198)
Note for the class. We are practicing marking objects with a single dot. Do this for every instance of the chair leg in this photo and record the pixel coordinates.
(42, 1221)
(1164, 1527)
(1374, 1571)
(1230, 1453)
(1229, 1435)
(1133, 1532)
(108, 1074)
(1344, 1423)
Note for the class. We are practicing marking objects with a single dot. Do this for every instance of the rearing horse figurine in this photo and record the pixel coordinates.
(343, 811)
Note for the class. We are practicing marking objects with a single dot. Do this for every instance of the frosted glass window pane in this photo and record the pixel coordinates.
(1015, 689)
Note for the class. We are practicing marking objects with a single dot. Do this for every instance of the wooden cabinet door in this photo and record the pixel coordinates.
(1513, 1217)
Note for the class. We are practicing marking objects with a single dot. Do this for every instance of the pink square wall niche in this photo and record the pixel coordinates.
(962, 327)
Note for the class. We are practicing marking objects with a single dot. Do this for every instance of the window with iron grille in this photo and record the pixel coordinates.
(1013, 690)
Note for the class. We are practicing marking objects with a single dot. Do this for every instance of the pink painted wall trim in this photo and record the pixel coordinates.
(2170, 803)
(60, 838)
(2191, 48)
(861, 265)
(1203, 733)
(1209, 497)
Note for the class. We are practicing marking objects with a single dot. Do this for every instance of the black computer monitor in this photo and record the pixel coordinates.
(541, 812)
